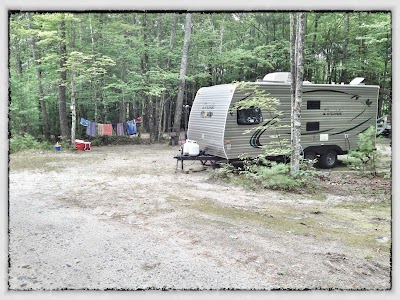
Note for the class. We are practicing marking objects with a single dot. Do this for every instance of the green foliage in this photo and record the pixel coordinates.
(264, 173)
(26, 141)
(255, 98)
(366, 157)
(106, 52)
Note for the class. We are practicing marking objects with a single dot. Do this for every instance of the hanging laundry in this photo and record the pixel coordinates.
(120, 129)
(114, 127)
(84, 122)
(100, 129)
(107, 129)
(131, 127)
(125, 127)
(91, 129)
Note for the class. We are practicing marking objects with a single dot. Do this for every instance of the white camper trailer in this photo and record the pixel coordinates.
(332, 117)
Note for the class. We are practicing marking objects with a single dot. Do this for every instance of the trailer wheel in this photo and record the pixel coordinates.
(310, 155)
(328, 159)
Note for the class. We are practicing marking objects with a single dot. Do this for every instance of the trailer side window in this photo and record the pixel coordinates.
(249, 116)
(314, 104)
(312, 126)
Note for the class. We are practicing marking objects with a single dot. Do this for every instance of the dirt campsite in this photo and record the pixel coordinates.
(124, 218)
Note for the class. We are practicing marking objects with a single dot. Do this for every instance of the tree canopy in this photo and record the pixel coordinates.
(125, 65)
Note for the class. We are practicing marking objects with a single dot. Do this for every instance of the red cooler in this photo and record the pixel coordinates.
(80, 145)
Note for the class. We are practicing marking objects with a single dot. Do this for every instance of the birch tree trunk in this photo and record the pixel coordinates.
(73, 100)
(292, 71)
(182, 75)
(73, 106)
(295, 160)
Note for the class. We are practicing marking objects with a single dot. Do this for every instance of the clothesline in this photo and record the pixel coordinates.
(119, 129)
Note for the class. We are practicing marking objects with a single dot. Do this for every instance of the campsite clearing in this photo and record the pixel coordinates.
(120, 217)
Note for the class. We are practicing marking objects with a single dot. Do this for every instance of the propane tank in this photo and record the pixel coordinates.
(194, 148)
(191, 148)
(185, 148)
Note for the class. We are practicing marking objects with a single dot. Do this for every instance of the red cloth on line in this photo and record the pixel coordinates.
(107, 129)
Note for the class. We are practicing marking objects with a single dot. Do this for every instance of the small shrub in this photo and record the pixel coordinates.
(268, 174)
(27, 141)
(365, 158)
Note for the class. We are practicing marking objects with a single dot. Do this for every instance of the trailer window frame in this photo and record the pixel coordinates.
(312, 126)
(314, 104)
(249, 116)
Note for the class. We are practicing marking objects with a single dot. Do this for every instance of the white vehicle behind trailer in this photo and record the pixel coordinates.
(332, 117)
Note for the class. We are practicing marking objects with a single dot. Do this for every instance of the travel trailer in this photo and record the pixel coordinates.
(332, 117)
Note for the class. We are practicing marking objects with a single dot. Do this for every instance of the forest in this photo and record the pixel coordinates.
(111, 67)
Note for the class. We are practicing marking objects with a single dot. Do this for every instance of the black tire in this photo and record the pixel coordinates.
(328, 159)
(310, 155)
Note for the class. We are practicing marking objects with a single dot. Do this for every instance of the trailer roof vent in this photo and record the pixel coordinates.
(278, 77)
(357, 81)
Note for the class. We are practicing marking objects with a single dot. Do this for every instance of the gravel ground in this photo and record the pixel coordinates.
(122, 217)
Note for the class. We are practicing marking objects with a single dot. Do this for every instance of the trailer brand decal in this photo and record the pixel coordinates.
(314, 132)
(208, 106)
(352, 127)
(249, 95)
(358, 114)
(255, 138)
(206, 114)
(336, 112)
(206, 110)
(333, 91)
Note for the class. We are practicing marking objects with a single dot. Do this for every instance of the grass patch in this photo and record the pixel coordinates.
(318, 197)
(45, 163)
(292, 220)
(174, 198)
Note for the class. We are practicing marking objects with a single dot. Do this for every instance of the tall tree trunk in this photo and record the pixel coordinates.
(73, 106)
(343, 77)
(45, 119)
(182, 75)
(18, 58)
(160, 100)
(219, 70)
(295, 159)
(149, 106)
(122, 103)
(72, 78)
(62, 91)
(167, 105)
(92, 84)
(311, 75)
(293, 26)
(383, 83)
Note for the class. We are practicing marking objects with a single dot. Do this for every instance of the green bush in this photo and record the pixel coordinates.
(268, 174)
(365, 158)
(26, 141)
